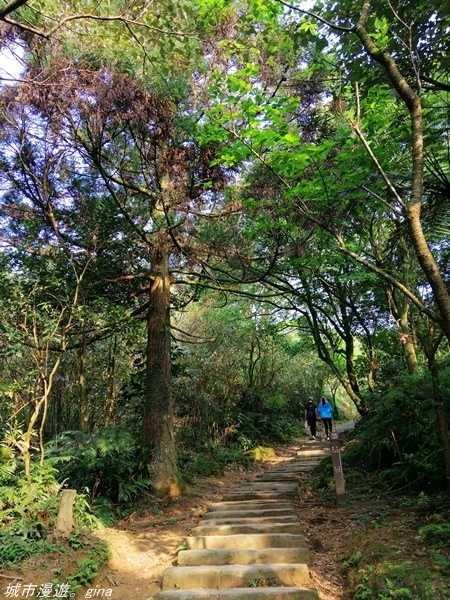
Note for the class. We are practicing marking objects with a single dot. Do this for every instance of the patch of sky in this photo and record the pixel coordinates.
(12, 64)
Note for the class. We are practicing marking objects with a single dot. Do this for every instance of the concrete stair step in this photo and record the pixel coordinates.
(234, 576)
(247, 540)
(306, 458)
(286, 475)
(257, 593)
(262, 512)
(296, 469)
(242, 556)
(313, 452)
(261, 495)
(278, 478)
(276, 486)
(250, 520)
(296, 466)
(204, 530)
(251, 505)
(288, 489)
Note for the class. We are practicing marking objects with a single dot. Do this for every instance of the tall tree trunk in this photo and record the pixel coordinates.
(430, 342)
(157, 429)
(113, 388)
(441, 417)
(349, 363)
(413, 208)
(325, 355)
(400, 312)
(430, 267)
(81, 383)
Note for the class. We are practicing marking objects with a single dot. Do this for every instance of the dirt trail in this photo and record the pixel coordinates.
(367, 534)
(142, 548)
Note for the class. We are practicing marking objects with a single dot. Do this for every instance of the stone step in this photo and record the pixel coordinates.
(204, 530)
(251, 505)
(286, 475)
(313, 452)
(247, 540)
(281, 486)
(267, 488)
(278, 478)
(262, 512)
(304, 457)
(234, 576)
(255, 495)
(296, 466)
(256, 593)
(281, 481)
(250, 520)
(304, 467)
(242, 556)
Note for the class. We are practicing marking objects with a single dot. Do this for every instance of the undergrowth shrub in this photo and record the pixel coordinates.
(399, 436)
(33, 498)
(210, 451)
(273, 422)
(198, 463)
(436, 534)
(28, 511)
(96, 553)
(212, 461)
(107, 463)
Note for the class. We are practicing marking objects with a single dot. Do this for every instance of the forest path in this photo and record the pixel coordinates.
(143, 546)
(251, 544)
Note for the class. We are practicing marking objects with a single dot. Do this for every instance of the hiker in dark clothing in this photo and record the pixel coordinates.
(311, 416)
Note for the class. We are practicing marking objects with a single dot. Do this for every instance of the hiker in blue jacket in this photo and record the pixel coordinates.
(326, 414)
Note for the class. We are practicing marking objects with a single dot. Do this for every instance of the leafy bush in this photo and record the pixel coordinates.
(30, 504)
(273, 424)
(28, 511)
(436, 534)
(88, 569)
(107, 463)
(210, 462)
(399, 435)
(192, 464)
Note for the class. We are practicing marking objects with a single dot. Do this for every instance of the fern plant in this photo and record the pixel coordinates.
(398, 436)
(107, 463)
(28, 511)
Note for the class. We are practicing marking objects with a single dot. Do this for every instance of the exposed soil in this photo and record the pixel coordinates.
(144, 544)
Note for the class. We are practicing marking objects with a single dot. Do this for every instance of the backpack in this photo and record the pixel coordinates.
(310, 409)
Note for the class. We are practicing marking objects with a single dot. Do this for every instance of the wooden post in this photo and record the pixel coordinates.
(64, 522)
(337, 466)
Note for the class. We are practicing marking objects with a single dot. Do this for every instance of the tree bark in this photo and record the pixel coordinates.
(413, 209)
(349, 352)
(441, 417)
(80, 357)
(157, 430)
(113, 387)
(326, 357)
(400, 313)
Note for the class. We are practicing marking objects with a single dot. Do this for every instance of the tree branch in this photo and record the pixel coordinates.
(11, 7)
(314, 16)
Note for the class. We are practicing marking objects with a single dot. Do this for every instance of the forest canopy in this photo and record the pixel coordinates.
(211, 211)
